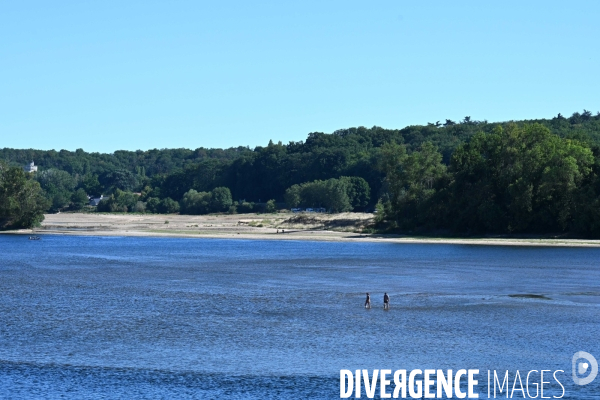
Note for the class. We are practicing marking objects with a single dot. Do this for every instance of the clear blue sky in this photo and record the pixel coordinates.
(110, 75)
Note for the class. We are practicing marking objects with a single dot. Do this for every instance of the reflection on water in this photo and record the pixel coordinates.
(190, 318)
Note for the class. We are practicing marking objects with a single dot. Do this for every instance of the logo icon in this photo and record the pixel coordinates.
(582, 362)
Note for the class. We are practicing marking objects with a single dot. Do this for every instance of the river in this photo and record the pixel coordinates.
(124, 317)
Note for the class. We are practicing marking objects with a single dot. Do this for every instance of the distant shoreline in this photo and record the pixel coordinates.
(345, 227)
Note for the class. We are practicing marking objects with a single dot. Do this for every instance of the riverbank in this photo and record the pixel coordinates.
(346, 227)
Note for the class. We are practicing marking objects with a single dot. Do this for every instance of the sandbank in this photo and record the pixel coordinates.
(344, 227)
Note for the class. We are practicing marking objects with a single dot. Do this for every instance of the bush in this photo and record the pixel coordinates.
(245, 207)
(120, 201)
(217, 200)
(168, 206)
(270, 207)
(331, 194)
(153, 204)
(140, 207)
(195, 203)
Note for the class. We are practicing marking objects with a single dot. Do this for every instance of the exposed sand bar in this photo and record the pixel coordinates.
(345, 227)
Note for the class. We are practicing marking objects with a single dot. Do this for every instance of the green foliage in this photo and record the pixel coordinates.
(58, 186)
(519, 179)
(91, 185)
(244, 207)
(463, 176)
(412, 182)
(140, 163)
(271, 207)
(221, 199)
(196, 203)
(293, 197)
(331, 194)
(149, 192)
(358, 192)
(217, 200)
(120, 201)
(119, 179)
(79, 199)
(335, 196)
(140, 207)
(379, 212)
(153, 204)
(22, 201)
(110, 205)
(515, 179)
(168, 206)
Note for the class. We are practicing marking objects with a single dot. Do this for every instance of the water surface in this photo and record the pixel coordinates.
(116, 317)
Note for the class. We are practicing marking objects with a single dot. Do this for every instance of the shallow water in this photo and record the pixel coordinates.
(114, 317)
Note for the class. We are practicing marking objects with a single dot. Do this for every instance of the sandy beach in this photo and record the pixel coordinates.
(345, 227)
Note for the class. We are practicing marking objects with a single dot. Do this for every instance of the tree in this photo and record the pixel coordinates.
(518, 179)
(119, 179)
(22, 203)
(110, 204)
(79, 199)
(393, 156)
(120, 201)
(411, 180)
(140, 207)
(292, 196)
(244, 207)
(331, 194)
(91, 185)
(358, 192)
(168, 206)
(195, 203)
(220, 199)
(335, 196)
(271, 207)
(58, 186)
(153, 204)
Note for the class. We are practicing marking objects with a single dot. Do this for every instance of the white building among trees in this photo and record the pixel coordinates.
(31, 167)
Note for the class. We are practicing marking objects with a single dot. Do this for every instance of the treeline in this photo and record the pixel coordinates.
(516, 179)
(266, 172)
(350, 169)
(139, 163)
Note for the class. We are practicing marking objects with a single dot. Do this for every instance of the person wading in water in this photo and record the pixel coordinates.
(386, 302)
(368, 302)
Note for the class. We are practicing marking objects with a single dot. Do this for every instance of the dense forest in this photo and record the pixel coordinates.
(458, 177)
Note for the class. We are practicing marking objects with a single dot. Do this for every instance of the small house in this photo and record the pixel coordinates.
(94, 201)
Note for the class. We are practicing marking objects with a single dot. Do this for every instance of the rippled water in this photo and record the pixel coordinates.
(97, 317)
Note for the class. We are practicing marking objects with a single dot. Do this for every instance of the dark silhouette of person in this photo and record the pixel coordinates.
(368, 302)
(386, 302)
